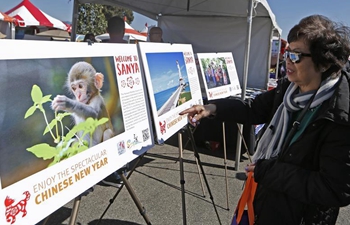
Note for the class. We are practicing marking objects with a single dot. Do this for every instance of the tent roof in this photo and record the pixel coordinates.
(156, 8)
(6, 18)
(30, 15)
(215, 26)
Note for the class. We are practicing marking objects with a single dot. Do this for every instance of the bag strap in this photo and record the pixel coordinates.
(247, 198)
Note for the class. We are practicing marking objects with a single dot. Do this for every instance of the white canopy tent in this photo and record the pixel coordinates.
(214, 26)
(243, 27)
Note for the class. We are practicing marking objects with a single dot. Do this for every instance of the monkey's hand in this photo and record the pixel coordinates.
(62, 102)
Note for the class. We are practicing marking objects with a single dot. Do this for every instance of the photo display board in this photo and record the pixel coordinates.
(172, 83)
(47, 158)
(219, 75)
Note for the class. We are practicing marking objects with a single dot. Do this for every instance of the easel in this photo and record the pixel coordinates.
(131, 192)
(74, 213)
(182, 180)
(225, 164)
(76, 204)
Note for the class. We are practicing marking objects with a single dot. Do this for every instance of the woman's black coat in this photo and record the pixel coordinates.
(311, 180)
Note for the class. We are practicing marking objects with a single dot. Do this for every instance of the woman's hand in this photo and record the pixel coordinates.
(197, 112)
(249, 168)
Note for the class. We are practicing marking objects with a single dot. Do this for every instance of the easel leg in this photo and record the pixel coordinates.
(198, 169)
(182, 179)
(225, 162)
(200, 177)
(118, 191)
(238, 146)
(74, 214)
(190, 134)
(135, 198)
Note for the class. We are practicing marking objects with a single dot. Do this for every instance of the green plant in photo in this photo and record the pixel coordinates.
(68, 144)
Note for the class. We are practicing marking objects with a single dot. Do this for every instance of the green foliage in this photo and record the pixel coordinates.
(214, 61)
(66, 145)
(110, 11)
(93, 17)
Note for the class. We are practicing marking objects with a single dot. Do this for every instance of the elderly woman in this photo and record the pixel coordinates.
(302, 168)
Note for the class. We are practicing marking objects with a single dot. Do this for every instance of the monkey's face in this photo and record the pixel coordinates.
(80, 91)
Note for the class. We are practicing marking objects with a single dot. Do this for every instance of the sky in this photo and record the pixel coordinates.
(287, 13)
(164, 70)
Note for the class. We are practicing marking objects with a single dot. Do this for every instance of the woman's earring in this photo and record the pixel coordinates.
(323, 69)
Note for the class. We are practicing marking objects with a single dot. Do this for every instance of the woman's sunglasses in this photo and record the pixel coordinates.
(295, 57)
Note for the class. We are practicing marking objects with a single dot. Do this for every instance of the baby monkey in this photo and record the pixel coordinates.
(85, 84)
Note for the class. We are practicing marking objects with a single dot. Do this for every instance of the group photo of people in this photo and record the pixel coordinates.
(215, 70)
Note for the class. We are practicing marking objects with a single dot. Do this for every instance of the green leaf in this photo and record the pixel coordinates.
(60, 116)
(30, 111)
(70, 134)
(41, 108)
(46, 98)
(36, 94)
(55, 161)
(51, 125)
(44, 151)
(102, 121)
(77, 148)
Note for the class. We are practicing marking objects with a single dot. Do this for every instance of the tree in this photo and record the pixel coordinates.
(110, 11)
(93, 17)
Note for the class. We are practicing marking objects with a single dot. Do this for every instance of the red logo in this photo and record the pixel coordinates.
(162, 127)
(12, 210)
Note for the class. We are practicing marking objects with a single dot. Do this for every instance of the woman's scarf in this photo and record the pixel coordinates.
(271, 141)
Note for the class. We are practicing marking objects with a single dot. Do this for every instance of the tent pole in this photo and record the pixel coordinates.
(12, 32)
(74, 20)
(245, 77)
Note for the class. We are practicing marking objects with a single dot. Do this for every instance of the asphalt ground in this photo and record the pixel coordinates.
(155, 183)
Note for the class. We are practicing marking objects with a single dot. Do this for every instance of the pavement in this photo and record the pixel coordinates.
(155, 183)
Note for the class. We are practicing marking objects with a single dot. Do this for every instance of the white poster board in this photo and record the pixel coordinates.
(37, 182)
(219, 74)
(172, 83)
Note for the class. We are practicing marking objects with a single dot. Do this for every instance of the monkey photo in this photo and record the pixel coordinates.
(85, 84)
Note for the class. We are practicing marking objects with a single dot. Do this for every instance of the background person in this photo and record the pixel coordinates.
(155, 34)
(116, 30)
(306, 181)
(89, 36)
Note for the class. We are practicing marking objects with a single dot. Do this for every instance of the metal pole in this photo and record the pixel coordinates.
(75, 209)
(225, 163)
(182, 180)
(74, 20)
(245, 77)
(131, 191)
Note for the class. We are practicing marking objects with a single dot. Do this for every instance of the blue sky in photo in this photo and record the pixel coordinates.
(164, 71)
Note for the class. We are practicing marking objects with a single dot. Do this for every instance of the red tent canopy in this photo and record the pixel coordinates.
(30, 15)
